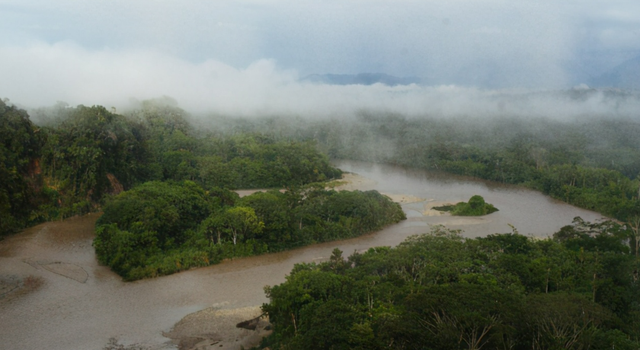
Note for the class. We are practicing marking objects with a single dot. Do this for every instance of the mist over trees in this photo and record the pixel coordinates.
(481, 89)
(86, 153)
(592, 162)
(164, 187)
(441, 291)
(80, 155)
(164, 180)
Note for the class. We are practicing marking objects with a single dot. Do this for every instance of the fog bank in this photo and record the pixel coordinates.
(41, 74)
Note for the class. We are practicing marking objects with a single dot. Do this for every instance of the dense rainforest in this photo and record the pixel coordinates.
(591, 162)
(577, 290)
(164, 181)
(75, 156)
(164, 187)
(79, 156)
(160, 228)
(20, 152)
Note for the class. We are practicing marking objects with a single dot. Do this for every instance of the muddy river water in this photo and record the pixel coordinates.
(56, 296)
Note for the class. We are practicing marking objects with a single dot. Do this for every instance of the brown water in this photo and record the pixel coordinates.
(80, 305)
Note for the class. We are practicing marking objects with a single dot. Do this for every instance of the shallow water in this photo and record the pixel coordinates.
(530, 212)
(80, 304)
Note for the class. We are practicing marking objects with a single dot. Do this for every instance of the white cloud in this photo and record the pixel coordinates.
(42, 74)
(244, 57)
(476, 42)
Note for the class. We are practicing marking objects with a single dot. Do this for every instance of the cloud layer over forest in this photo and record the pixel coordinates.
(43, 74)
(246, 57)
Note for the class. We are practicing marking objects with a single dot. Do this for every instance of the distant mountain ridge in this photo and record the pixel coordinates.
(361, 79)
(624, 76)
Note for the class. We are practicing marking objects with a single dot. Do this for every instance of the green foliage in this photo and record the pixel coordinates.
(238, 222)
(475, 207)
(441, 291)
(163, 227)
(148, 221)
(180, 152)
(91, 152)
(20, 147)
(84, 154)
(272, 208)
(590, 163)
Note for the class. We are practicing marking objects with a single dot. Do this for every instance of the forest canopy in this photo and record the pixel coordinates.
(81, 155)
(20, 150)
(577, 290)
(165, 187)
(159, 228)
(590, 162)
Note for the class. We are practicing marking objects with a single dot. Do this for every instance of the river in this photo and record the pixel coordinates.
(68, 301)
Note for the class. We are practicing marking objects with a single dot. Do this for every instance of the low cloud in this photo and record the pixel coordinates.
(41, 74)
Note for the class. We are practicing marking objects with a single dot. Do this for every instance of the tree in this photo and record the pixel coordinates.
(563, 321)
(214, 225)
(240, 222)
(634, 224)
(20, 150)
(272, 209)
(476, 202)
(91, 153)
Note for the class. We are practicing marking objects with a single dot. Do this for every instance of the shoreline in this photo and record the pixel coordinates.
(187, 309)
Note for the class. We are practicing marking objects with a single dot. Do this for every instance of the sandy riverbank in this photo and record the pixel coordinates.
(214, 328)
(429, 211)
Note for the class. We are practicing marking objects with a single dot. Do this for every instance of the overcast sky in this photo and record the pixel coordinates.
(104, 51)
